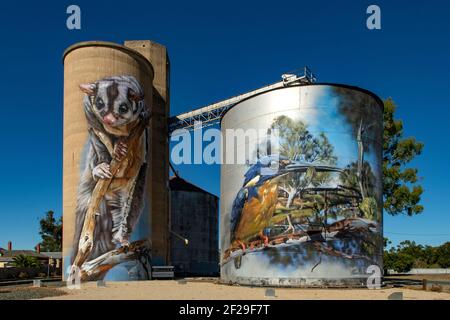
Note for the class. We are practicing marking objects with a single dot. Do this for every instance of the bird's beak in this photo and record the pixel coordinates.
(294, 166)
(287, 167)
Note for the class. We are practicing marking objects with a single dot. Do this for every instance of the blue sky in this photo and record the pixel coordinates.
(219, 49)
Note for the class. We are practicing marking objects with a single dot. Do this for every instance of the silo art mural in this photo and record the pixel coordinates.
(111, 189)
(107, 219)
(307, 211)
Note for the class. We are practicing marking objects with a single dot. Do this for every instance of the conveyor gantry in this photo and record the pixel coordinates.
(210, 115)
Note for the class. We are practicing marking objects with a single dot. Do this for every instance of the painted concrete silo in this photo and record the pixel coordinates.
(301, 187)
(107, 216)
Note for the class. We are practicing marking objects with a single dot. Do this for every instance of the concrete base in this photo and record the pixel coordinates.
(359, 282)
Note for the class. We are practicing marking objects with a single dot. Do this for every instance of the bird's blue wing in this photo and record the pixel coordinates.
(252, 172)
(263, 162)
(236, 211)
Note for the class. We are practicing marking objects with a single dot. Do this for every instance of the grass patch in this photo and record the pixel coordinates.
(26, 293)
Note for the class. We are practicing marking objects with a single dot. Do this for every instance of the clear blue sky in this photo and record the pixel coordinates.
(218, 49)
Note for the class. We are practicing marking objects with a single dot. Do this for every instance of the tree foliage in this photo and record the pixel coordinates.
(409, 255)
(401, 193)
(51, 232)
(362, 114)
(24, 261)
(349, 177)
(299, 144)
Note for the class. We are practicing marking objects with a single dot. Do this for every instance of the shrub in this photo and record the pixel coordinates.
(403, 263)
(23, 261)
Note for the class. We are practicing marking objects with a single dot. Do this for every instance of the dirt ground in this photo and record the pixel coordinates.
(208, 290)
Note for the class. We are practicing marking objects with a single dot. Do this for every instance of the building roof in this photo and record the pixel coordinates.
(6, 259)
(53, 255)
(6, 254)
(179, 184)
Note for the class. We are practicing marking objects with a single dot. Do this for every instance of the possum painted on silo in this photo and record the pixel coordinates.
(113, 107)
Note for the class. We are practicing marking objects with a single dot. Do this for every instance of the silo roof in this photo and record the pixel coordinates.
(179, 184)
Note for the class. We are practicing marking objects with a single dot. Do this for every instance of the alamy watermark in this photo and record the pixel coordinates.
(74, 279)
(229, 146)
(374, 280)
(373, 21)
(73, 21)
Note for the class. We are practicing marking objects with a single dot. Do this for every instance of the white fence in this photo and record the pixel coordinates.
(422, 271)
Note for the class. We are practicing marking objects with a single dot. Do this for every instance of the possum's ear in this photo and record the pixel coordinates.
(89, 88)
(134, 96)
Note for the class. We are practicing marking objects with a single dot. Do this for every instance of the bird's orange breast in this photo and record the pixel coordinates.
(257, 211)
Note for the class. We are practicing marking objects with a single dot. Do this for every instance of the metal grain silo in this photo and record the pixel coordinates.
(108, 96)
(301, 187)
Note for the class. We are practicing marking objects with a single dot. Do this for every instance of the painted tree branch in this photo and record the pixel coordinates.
(337, 253)
(332, 232)
(86, 242)
(97, 268)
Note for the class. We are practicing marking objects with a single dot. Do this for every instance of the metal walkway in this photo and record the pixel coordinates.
(211, 114)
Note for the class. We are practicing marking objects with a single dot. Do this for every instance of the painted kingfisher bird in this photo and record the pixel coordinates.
(256, 201)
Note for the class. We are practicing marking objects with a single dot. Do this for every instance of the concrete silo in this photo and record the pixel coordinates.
(113, 143)
(301, 187)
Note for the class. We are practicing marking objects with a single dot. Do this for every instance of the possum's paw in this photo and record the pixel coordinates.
(120, 239)
(120, 150)
(102, 171)
(125, 245)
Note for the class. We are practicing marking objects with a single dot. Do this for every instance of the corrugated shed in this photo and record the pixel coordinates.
(194, 216)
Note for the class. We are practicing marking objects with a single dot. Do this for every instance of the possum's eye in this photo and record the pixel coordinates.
(99, 103)
(123, 108)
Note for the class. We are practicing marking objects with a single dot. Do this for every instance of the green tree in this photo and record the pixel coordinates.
(23, 261)
(364, 117)
(403, 262)
(401, 193)
(349, 177)
(442, 254)
(386, 242)
(51, 232)
(429, 255)
(409, 255)
(388, 261)
(297, 143)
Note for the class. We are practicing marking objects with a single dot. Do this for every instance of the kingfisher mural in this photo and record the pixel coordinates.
(256, 202)
(314, 206)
